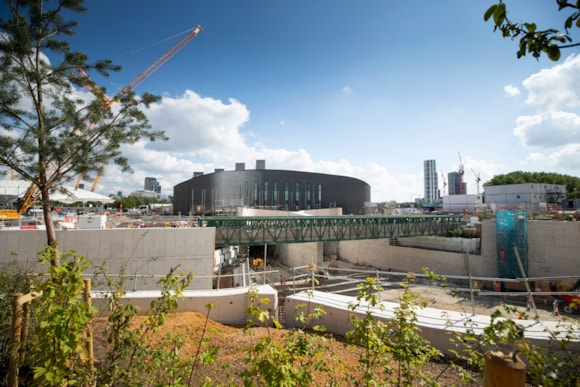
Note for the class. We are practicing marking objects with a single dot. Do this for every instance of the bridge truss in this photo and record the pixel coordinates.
(274, 230)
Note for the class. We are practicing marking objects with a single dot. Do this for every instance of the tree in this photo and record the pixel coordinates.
(532, 40)
(50, 131)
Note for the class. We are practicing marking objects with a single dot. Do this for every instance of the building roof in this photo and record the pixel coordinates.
(67, 194)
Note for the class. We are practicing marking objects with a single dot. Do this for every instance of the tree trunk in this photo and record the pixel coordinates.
(50, 230)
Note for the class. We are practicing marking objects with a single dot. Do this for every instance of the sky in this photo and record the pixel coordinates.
(368, 89)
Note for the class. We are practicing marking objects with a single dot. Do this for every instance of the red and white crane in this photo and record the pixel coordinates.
(142, 76)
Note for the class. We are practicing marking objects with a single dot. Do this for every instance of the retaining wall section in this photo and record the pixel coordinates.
(229, 305)
(553, 250)
(435, 324)
(141, 252)
(300, 254)
(380, 254)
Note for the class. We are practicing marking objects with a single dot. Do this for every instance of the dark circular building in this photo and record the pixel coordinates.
(269, 189)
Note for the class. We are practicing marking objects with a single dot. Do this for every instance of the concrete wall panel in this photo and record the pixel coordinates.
(380, 254)
(300, 254)
(229, 305)
(143, 252)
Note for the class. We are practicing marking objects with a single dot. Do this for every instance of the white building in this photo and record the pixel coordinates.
(11, 190)
(431, 182)
(535, 195)
(458, 204)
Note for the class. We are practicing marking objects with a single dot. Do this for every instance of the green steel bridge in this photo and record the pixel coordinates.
(284, 229)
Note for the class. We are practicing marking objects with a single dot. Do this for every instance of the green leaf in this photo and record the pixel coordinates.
(490, 11)
(499, 14)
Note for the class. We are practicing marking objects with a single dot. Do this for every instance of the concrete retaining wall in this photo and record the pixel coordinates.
(553, 250)
(434, 323)
(142, 252)
(458, 245)
(380, 254)
(229, 305)
(300, 254)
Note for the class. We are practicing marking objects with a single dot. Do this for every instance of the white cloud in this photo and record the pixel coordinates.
(568, 157)
(555, 124)
(346, 89)
(548, 129)
(535, 157)
(511, 90)
(199, 126)
(555, 88)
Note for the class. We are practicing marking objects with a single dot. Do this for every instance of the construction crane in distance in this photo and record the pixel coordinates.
(32, 193)
(477, 179)
(108, 102)
(461, 172)
(444, 182)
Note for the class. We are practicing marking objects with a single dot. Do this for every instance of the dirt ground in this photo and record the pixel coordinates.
(233, 343)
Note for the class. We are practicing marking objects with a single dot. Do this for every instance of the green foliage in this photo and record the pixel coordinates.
(391, 353)
(289, 362)
(519, 177)
(371, 334)
(13, 279)
(394, 353)
(533, 40)
(58, 351)
(132, 349)
(50, 133)
(546, 366)
(134, 202)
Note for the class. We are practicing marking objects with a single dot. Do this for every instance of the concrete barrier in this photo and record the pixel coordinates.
(435, 324)
(229, 305)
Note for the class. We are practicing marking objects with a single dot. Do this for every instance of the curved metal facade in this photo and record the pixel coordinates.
(273, 189)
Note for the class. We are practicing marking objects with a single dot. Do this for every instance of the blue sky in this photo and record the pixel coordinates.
(368, 89)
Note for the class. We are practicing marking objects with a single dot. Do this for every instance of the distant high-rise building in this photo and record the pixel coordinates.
(454, 183)
(431, 182)
(151, 184)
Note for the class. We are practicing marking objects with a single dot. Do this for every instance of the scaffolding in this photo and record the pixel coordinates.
(511, 234)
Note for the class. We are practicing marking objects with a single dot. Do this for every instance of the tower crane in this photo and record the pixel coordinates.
(444, 182)
(32, 193)
(477, 179)
(461, 173)
(108, 102)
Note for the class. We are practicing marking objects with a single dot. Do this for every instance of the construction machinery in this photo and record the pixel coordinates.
(461, 172)
(32, 194)
(477, 179)
(108, 102)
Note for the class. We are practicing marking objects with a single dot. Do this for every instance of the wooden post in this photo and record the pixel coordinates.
(87, 297)
(24, 330)
(503, 370)
(15, 344)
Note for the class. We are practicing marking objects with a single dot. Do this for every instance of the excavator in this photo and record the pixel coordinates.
(32, 194)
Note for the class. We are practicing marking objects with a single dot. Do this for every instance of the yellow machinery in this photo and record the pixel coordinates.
(31, 196)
